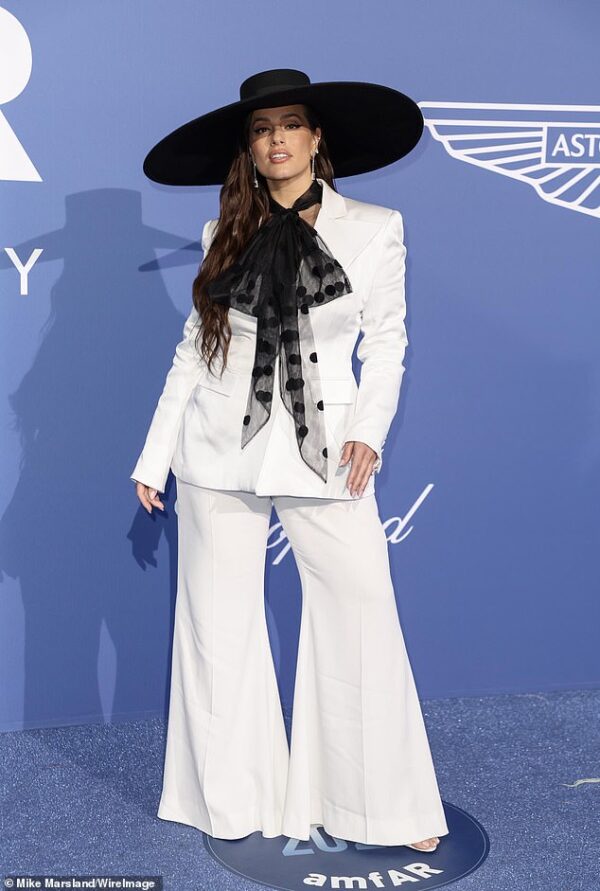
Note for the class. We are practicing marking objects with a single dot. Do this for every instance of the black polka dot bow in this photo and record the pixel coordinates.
(285, 270)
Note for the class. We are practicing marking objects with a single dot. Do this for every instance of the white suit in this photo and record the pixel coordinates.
(359, 761)
(197, 426)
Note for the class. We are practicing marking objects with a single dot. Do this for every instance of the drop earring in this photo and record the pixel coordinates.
(255, 182)
(314, 175)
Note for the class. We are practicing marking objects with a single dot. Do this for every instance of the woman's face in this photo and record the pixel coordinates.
(282, 131)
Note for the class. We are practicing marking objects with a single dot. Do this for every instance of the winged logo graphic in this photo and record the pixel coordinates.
(553, 148)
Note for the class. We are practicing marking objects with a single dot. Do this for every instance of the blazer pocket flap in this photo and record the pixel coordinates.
(224, 385)
(338, 389)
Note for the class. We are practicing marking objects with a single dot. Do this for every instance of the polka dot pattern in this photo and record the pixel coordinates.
(283, 272)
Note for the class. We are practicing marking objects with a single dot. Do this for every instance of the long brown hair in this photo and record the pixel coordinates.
(242, 210)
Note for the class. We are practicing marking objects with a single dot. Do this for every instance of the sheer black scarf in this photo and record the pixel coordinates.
(284, 272)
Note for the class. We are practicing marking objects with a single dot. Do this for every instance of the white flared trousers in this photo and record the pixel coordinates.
(359, 762)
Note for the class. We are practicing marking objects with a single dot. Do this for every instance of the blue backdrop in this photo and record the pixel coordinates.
(490, 487)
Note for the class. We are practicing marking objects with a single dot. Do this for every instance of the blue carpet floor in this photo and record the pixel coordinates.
(83, 799)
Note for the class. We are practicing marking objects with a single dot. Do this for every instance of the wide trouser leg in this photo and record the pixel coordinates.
(360, 761)
(227, 753)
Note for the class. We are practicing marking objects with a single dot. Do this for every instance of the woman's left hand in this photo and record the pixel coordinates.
(364, 459)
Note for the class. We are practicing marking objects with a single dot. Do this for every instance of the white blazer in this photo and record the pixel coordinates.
(197, 425)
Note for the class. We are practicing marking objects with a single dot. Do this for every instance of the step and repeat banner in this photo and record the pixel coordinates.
(489, 491)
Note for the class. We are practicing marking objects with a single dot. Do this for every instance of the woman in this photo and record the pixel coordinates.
(261, 408)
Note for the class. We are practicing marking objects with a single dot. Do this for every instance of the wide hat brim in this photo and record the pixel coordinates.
(367, 126)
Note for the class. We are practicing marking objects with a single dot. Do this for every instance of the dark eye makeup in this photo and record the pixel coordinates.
(289, 124)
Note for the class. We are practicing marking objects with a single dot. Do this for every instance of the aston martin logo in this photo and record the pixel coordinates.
(555, 149)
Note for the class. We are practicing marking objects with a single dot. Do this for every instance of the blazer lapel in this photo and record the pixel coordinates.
(345, 236)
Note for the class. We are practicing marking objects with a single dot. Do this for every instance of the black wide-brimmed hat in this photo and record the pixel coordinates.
(367, 126)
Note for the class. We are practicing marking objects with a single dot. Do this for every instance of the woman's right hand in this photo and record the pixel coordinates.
(148, 497)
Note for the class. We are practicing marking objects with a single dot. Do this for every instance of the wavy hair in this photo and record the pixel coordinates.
(242, 210)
